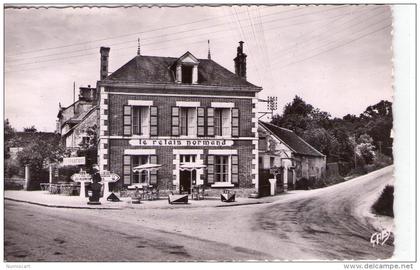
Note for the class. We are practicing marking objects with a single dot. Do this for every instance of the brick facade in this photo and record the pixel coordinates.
(144, 97)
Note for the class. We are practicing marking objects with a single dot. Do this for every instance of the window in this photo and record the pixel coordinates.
(221, 170)
(222, 122)
(139, 177)
(140, 120)
(188, 122)
(187, 158)
(187, 74)
(271, 162)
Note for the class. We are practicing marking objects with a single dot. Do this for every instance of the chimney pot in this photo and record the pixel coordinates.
(240, 61)
(104, 62)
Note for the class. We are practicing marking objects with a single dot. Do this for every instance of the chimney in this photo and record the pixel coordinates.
(240, 61)
(104, 62)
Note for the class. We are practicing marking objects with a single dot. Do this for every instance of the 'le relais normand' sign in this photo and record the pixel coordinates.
(180, 142)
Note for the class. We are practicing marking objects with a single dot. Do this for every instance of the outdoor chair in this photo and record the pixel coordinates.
(197, 193)
(155, 194)
(136, 197)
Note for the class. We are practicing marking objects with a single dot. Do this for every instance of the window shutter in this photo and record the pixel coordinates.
(175, 121)
(127, 169)
(127, 120)
(153, 121)
(210, 169)
(200, 121)
(234, 169)
(210, 121)
(235, 122)
(153, 173)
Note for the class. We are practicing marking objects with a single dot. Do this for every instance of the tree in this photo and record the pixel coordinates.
(30, 129)
(89, 148)
(365, 148)
(9, 134)
(321, 140)
(38, 154)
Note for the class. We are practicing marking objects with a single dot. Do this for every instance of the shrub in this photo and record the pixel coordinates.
(303, 184)
(384, 205)
(12, 168)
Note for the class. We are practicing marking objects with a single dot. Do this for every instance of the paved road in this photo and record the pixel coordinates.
(330, 223)
(36, 233)
(327, 223)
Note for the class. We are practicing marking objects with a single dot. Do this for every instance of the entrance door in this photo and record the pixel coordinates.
(290, 183)
(185, 181)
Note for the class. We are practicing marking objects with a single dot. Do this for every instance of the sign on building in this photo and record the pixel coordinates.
(74, 161)
(181, 142)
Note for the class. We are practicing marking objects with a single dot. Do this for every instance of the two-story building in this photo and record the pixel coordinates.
(75, 120)
(179, 110)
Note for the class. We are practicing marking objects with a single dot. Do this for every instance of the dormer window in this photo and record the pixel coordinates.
(187, 73)
(187, 69)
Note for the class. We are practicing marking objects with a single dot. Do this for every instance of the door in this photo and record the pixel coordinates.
(185, 181)
(290, 183)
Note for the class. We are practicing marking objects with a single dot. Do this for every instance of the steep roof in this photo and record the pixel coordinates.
(79, 119)
(157, 69)
(290, 138)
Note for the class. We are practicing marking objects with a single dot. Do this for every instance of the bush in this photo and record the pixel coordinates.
(385, 203)
(12, 168)
(303, 184)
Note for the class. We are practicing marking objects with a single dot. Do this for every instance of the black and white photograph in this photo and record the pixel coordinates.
(208, 133)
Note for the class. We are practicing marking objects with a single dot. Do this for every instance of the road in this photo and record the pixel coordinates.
(329, 223)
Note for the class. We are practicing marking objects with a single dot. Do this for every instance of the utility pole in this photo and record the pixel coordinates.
(74, 97)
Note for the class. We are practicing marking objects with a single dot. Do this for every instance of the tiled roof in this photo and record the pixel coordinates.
(156, 69)
(295, 142)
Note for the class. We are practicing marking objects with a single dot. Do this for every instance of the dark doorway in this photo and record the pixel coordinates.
(290, 183)
(185, 181)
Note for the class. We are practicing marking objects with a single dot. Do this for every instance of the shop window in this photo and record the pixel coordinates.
(188, 121)
(139, 177)
(222, 123)
(221, 168)
(140, 120)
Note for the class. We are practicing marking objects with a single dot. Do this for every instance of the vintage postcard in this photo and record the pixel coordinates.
(185, 133)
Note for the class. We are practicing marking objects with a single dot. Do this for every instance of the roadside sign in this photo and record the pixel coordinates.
(81, 176)
(74, 161)
(108, 176)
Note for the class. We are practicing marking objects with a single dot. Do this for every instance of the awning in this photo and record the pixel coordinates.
(190, 166)
(147, 167)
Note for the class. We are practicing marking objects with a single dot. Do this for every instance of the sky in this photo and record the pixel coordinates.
(337, 58)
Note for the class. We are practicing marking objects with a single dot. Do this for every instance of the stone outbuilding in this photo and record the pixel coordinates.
(287, 155)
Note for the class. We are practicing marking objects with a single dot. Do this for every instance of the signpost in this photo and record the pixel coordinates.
(108, 177)
(81, 177)
(74, 161)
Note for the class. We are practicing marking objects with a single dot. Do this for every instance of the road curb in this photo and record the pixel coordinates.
(62, 206)
(122, 208)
